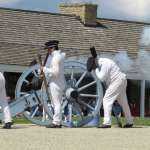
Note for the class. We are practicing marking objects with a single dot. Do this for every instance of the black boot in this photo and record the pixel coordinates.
(53, 126)
(105, 126)
(128, 125)
(7, 125)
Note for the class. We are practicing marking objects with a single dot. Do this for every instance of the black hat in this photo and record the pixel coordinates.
(51, 43)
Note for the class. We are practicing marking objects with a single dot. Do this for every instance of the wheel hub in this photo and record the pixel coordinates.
(72, 94)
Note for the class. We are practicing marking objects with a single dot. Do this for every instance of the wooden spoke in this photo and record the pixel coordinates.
(86, 86)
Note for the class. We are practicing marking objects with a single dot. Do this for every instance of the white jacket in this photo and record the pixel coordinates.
(108, 71)
(54, 69)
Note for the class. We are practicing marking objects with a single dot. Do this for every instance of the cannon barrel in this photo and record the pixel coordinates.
(21, 104)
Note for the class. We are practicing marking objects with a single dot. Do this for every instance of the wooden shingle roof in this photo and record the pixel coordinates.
(23, 33)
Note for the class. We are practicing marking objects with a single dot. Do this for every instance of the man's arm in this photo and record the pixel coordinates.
(53, 70)
(101, 73)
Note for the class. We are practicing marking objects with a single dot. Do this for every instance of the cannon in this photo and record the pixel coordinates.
(81, 102)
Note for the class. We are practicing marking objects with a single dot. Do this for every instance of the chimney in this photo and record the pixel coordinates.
(87, 12)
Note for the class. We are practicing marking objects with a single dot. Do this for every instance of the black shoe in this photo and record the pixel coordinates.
(7, 125)
(105, 126)
(128, 125)
(53, 126)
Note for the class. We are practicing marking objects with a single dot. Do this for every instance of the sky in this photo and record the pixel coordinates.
(132, 10)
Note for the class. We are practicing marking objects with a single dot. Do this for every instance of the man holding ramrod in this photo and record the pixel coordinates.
(54, 72)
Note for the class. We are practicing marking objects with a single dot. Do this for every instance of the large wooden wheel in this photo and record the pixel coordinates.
(82, 97)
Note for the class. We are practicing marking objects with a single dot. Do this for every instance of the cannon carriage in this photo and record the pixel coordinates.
(81, 103)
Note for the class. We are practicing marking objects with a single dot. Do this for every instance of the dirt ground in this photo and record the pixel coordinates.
(32, 137)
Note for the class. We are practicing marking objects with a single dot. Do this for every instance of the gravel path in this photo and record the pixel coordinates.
(32, 137)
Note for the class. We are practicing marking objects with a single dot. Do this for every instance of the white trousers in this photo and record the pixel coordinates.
(116, 91)
(3, 100)
(56, 96)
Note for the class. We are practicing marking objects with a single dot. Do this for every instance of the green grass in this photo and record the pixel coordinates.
(20, 120)
(142, 121)
(137, 120)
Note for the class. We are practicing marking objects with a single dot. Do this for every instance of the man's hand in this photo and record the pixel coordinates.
(41, 69)
(91, 65)
(95, 65)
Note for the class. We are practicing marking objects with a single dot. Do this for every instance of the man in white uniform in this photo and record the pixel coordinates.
(54, 71)
(108, 72)
(4, 104)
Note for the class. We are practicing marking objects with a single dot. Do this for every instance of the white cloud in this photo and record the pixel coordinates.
(128, 9)
(137, 8)
(8, 2)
